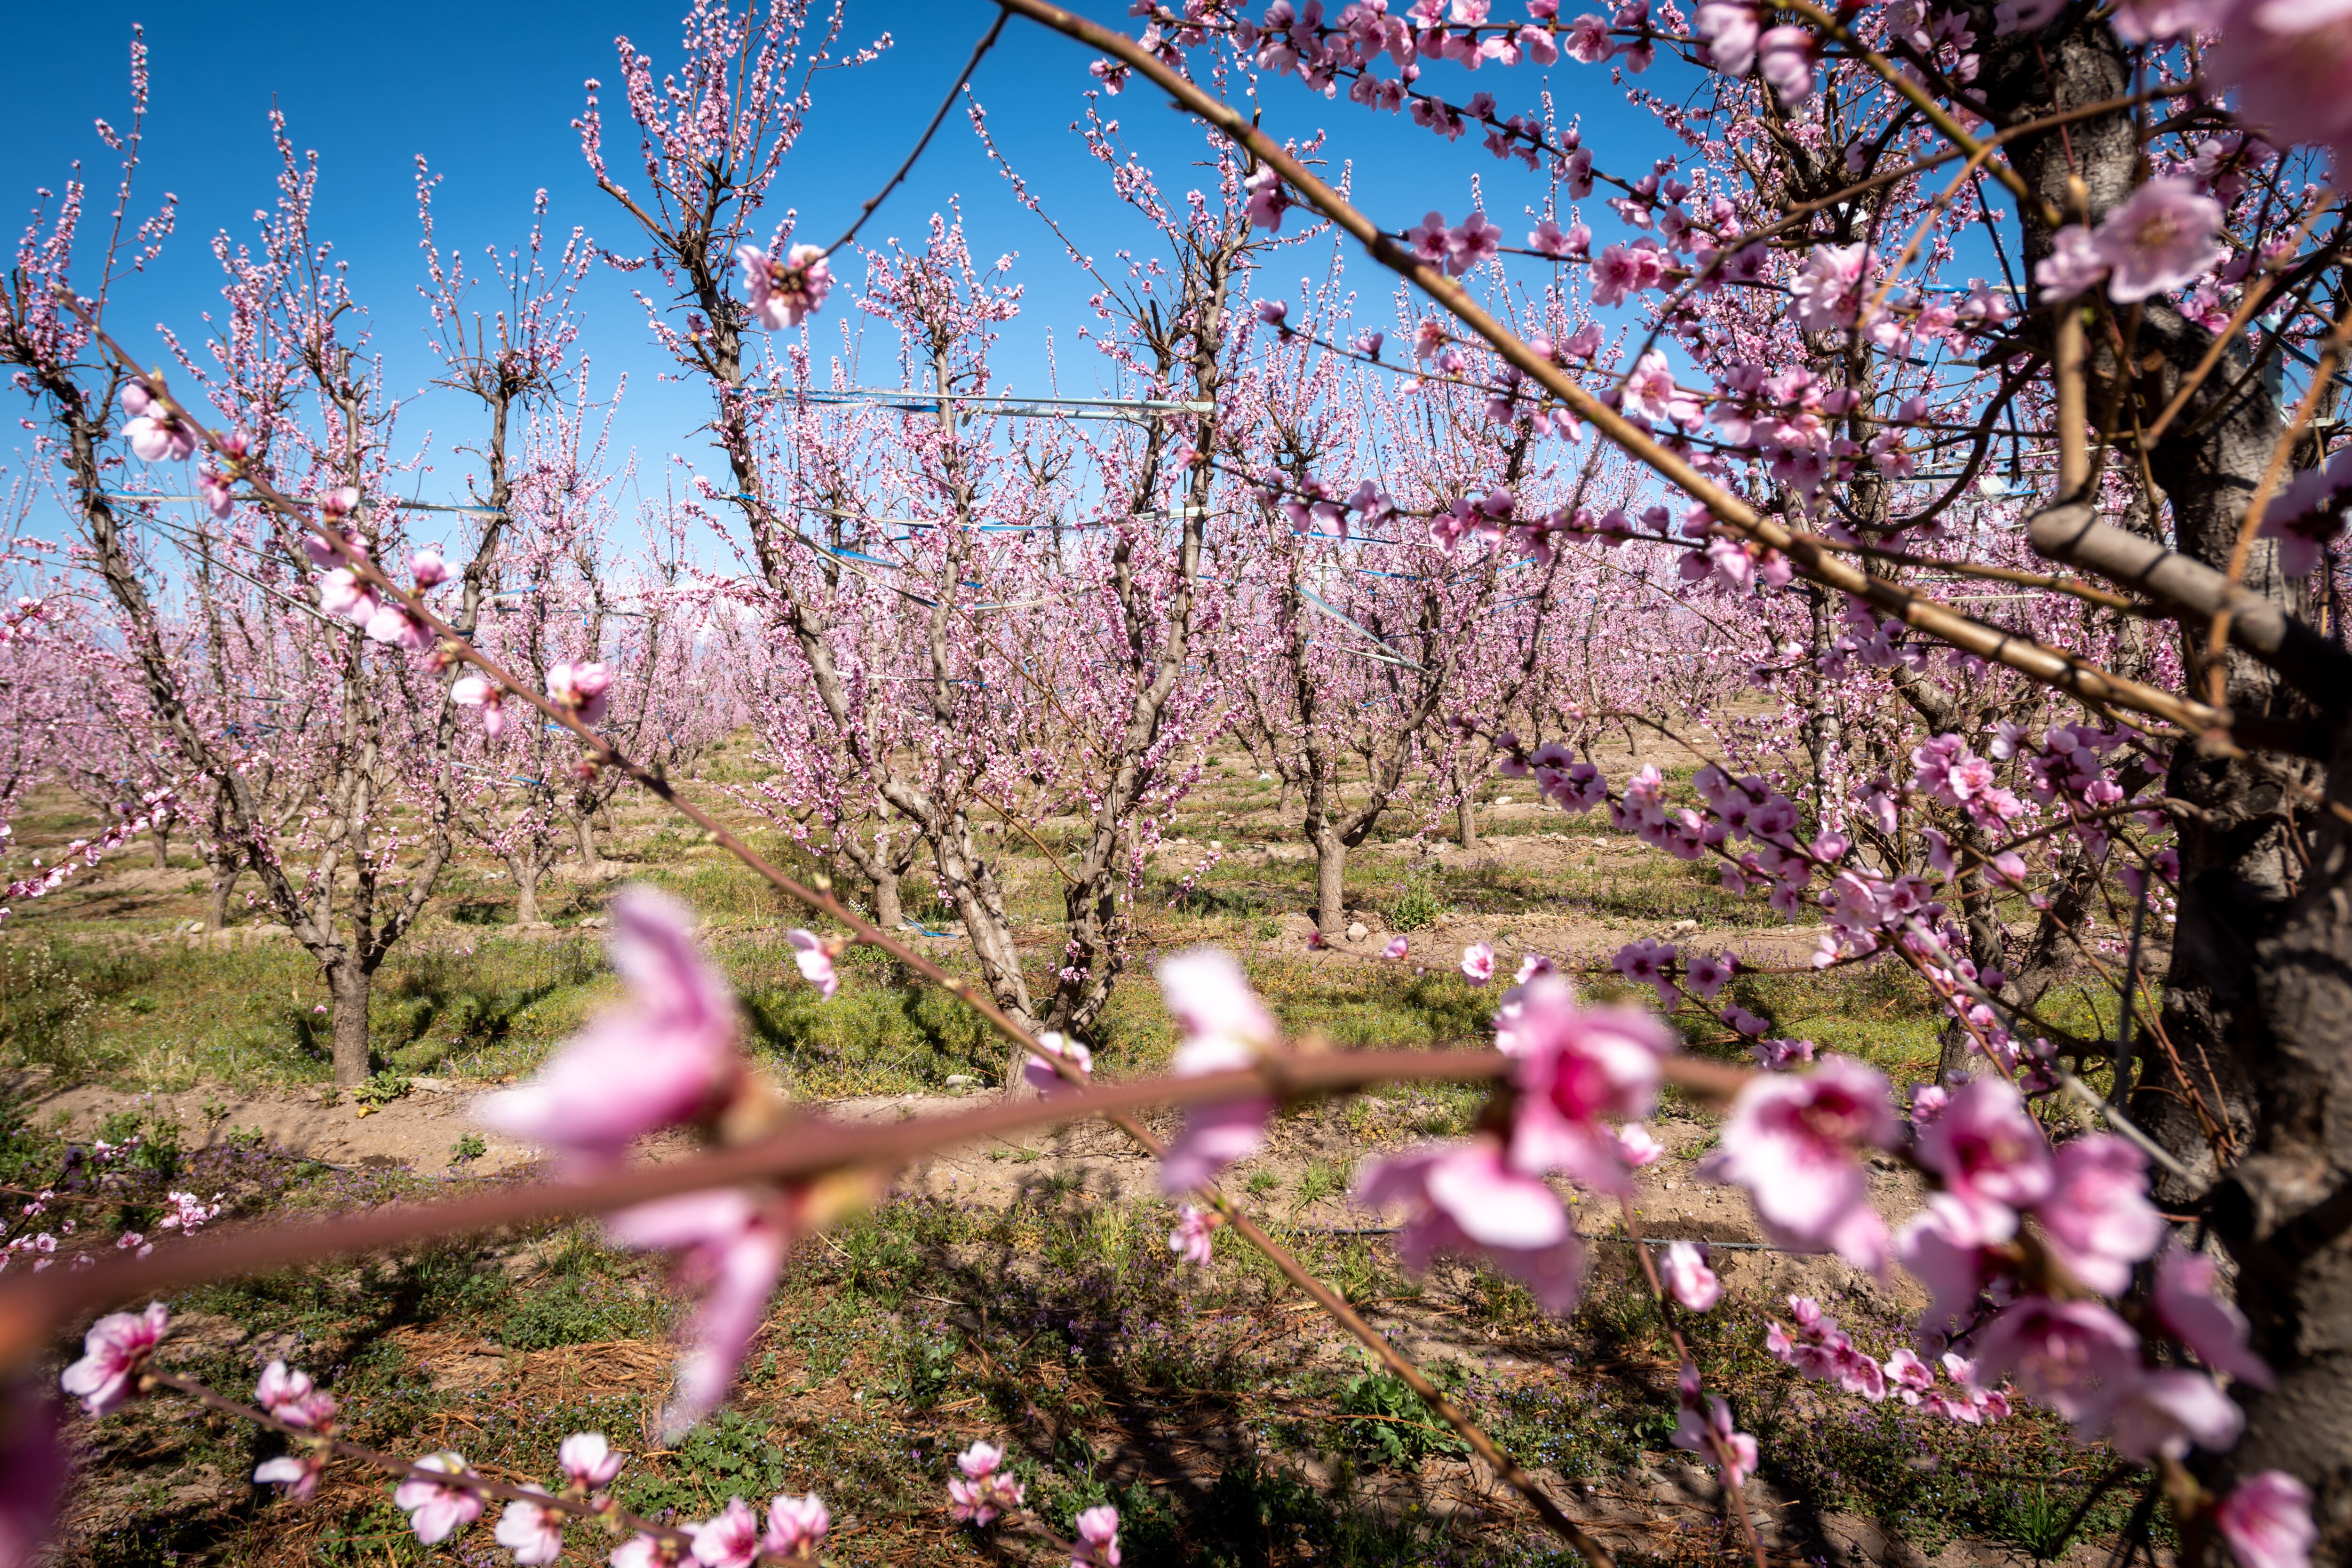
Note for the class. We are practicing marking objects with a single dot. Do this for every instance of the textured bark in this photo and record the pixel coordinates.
(1465, 810)
(1330, 875)
(526, 870)
(589, 864)
(350, 984)
(2250, 1081)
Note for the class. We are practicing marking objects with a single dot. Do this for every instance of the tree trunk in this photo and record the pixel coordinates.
(889, 912)
(348, 986)
(1330, 894)
(162, 837)
(216, 904)
(590, 866)
(2258, 996)
(525, 870)
(1465, 810)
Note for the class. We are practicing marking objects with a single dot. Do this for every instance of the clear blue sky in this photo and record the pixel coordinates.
(486, 91)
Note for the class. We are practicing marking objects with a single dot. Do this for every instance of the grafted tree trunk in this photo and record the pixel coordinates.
(349, 983)
(2250, 1081)
(525, 869)
(223, 879)
(589, 864)
(1330, 875)
(1465, 809)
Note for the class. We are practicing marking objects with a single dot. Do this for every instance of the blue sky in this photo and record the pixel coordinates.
(486, 91)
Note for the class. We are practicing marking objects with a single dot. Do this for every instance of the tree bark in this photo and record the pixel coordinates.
(1465, 810)
(525, 872)
(1330, 871)
(216, 901)
(590, 866)
(889, 911)
(2251, 1082)
(350, 985)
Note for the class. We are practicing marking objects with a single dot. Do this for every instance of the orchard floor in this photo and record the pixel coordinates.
(1020, 1292)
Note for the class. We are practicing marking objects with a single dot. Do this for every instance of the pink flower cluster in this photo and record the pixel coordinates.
(114, 1353)
(1821, 1350)
(796, 1528)
(783, 292)
(986, 1489)
(1225, 1028)
(1578, 1071)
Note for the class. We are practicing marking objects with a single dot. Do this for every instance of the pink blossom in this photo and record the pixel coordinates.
(1827, 291)
(437, 1510)
(2213, 1328)
(1039, 1071)
(1708, 975)
(1267, 199)
(730, 1247)
(1909, 1376)
(2067, 1354)
(2266, 1519)
(1397, 949)
(2074, 263)
(1709, 1431)
(160, 438)
(2165, 1411)
(1428, 240)
(1688, 1279)
(2289, 61)
(344, 595)
(1464, 1199)
(984, 1493)
(2097, 1216)
(640, 1551)
(2162, 238)
(1473, 241)
(219, 497)
(1225, 1028)
(1190, 1239)
(587, 1460)
(1729, 30)
(787, 292)
(1793, 1142)
(298, 1473)
(1785, 56)
(1637, 1147)
(1778, 1055)
(730, 1541)
(395, 626)
(1937, 1247)
(1477, 962)
(1588, 40)
(1097, 1543)
(1650, 392)
(797, 1525)
(114, 1353)
(533, 1533)
(426, 568)
(1549, 239)
(1531, 965)
(2145, 21)
(282, 1389)
(473, 691)
(1577, 1066)
(814, 962)
(1648, 961)
(583, 688)
(1992, 1157)
(669, 1057)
